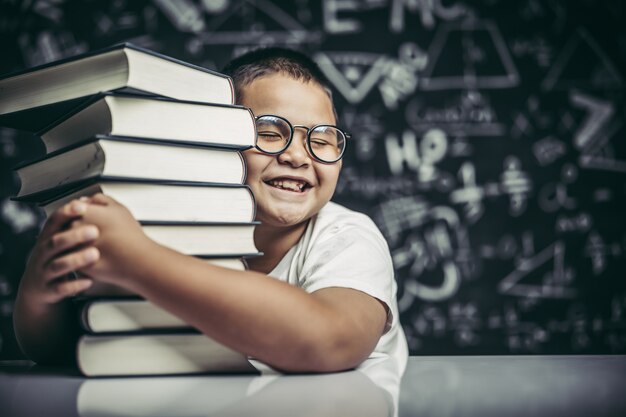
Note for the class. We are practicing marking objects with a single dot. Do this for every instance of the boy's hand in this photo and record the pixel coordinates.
(120, 244)
(60, 250)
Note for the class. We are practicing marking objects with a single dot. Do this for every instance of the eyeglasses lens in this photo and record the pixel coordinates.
(327, 143)
(272, 134)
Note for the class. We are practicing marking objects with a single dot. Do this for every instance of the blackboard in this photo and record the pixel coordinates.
(489, 147)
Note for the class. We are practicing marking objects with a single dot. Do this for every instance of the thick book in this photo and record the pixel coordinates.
(154, 118)
(126, 315)
(233, 239)
(99, 289)
(114, 156)
(163, 201)
(157, 354)
(35, 97)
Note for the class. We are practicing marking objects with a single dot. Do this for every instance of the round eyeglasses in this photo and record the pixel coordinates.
(325, 143)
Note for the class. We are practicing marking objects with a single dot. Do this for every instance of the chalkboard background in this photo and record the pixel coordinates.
(490, 147)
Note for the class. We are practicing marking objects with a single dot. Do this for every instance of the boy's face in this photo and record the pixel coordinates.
(275, 179)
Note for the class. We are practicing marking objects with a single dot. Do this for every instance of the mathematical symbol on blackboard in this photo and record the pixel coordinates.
(517, 184)
(596, 249)
(548, 150)
(432, 149)
(554, 283)
(427, 10)
(469, 195)
(399, 79)
(553, 196)
(580, 223)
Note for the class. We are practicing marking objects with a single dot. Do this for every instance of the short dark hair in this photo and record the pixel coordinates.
(265, 61)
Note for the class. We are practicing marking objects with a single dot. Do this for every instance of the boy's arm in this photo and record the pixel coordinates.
(45, 324)
(331, 329)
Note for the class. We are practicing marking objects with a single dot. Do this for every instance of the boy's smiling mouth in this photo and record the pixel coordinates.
(289, 184)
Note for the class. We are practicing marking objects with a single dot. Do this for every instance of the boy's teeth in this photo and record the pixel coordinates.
(288, 184)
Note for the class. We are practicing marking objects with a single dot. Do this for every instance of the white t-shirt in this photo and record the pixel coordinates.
(344, 248)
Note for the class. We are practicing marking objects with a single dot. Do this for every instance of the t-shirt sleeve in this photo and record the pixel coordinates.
(351, 254)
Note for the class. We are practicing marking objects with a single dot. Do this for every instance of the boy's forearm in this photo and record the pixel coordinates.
(46, 334)
(255, 314)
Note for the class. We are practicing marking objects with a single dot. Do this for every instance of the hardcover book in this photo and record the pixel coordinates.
(126, 315)
(164, 201)
(153, 118)
(113, 156)
(157, 354)
(35, 97)
(226, 239)
(100, 289)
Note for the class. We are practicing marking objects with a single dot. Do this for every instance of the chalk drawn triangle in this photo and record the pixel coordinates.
(354, 74)
(513, 283)
(606, 157)
(256, 22)
(583, 64)
(469, 55)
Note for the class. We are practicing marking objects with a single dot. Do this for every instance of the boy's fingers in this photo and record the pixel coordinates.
(62, 215)
(101, 199)
(64, 289)
(67, 239)
(71, 262)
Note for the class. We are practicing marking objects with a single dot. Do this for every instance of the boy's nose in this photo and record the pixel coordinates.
(296, 154)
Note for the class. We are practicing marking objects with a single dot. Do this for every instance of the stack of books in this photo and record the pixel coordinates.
(163, 138)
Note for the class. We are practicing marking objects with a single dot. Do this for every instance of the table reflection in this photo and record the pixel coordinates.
(454, 386)
(555, 386)
(371, 390)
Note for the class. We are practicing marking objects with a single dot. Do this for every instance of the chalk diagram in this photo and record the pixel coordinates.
(471, 55)
(438, 241)
(555, 283)
(585, 73)
(582, 64)
(354, 74)
(257, 22)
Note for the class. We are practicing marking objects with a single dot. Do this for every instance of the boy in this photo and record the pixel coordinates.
(321, 299)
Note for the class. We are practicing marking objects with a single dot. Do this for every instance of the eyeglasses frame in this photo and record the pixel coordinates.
(293, 128)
